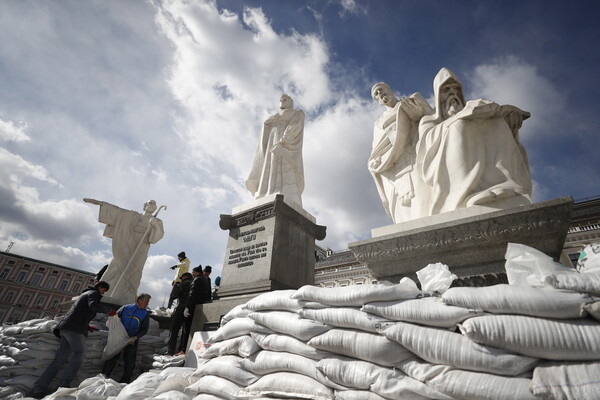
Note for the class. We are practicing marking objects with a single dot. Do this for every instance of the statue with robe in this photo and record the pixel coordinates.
(277, 166)
(132, 233)
(393, 155)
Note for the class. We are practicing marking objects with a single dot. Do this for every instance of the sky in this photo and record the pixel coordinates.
(126, 101)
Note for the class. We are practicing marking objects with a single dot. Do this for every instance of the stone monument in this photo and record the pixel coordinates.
(132, 233)
(271, 244)
(471, 188)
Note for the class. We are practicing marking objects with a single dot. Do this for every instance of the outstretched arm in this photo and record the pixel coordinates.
(92, 201)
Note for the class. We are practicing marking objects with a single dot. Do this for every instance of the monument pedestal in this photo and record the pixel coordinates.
(470, 242)
(271, 246)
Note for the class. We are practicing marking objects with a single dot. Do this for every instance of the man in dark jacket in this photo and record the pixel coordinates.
(136, 320)
(181, 292)
(73, 329)
(200, 293)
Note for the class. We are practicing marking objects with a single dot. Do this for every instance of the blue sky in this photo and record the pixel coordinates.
(127, 101)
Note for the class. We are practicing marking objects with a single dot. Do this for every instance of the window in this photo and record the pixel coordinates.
(16, 316)
(42, 269)
(21, 276)
(68, 275)
(11, 262)
(27, 265)
(63, 285)
(77, 287)
(36, 279)
(54, 303)
(50, 282)
(41, 300)
(25, 300)
(4, 273)
(9, 297)
(54, 272)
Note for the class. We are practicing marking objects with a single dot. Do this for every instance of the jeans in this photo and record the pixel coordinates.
(129, 356)
(68, 341)
(177, 322)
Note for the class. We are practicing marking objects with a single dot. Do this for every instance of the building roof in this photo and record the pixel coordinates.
(46, 263)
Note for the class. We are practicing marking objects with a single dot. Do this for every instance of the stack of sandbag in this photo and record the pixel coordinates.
(27, 348)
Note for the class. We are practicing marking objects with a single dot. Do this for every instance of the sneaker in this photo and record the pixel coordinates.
(179, 354)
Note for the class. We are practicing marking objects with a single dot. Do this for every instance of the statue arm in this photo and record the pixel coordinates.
(514, 117)
(293, 132)
(93, 201)
(157, 231)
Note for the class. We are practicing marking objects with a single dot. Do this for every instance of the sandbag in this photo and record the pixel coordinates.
(524, 300)
(287, 385)
(210, 384)
(228, 367)
(586, 283)
(238, 311)
(440, 346)
(589, 258)
(467, 385)
(98, 387)
(171, 395)
(117, 338)
(350, 372)
(593, 309)
(569, 339)
(237, 327)
(355, 295)
(395, 385)
(526, 266)
(361, 345)
(143, 387)
(430, 311)
(345, 317)
(276, 300)
(289, 323)
(356, 395)
(243, 346)
(568, 381)
(435, 277)
(176, 383)
(280, 342)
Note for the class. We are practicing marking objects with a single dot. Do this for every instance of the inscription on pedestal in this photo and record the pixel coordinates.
(250, 245)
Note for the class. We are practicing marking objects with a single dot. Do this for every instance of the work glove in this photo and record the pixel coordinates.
(112, 313)
(186, 312)
(174, 266)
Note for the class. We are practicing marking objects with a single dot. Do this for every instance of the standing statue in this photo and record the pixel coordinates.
(277, 166)
(131, 234)
(392, 160)
(470, 153)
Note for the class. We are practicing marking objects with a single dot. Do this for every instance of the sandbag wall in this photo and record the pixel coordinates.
(27, 348)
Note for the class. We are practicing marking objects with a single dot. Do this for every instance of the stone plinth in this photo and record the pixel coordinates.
(271, 246)
(469, 244)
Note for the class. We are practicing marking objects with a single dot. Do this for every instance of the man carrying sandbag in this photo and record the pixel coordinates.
(136, 320)
(72, 330)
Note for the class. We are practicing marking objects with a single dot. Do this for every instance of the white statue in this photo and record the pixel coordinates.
(392, 160)
(469, 153)
(131, 233)
(277, 166)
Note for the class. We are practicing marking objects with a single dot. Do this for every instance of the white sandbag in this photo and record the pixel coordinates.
(40, 354)
(184, 372)
(216, 386)
(244, 346)
(98, 387)
(12, 330)
(345, 317)
(430, 311)
(395, 385)
(526, 266)
(173, 383)
(290, 324)
(569, 339)
(440, 346)
(350, 372)
(356, 395)
(206, 396)
(586, 283)
(7, 361)
(589, 258)
(268, 362)
(355, 295)
(435, 278)
(287, 385)
(62, 393)
(238, 311)
(143, 387)
(467, 385)
(171, 395)
(228, 367)
(237, 327)
(524, 300)
(280, 342)
(276, 300)
(593, 309)
(361, 345)
(569, 381)
(117, 338)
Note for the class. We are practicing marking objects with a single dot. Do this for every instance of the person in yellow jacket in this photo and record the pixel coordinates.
(181, 268)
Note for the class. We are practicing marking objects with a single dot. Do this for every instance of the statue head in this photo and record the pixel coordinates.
(383, 94)
(448, 93)
(286, 102)
(150, 206)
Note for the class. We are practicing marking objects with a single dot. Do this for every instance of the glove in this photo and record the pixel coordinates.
(92, 328)
(186, 312)
(174, 266)
(112, 313)
(132, 340)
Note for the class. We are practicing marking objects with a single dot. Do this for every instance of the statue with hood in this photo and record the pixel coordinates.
(393, 155)
(469, 153)
(277, 166)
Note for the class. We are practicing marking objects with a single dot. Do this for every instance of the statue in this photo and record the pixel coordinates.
(277, 166)
(392, 160)
(469, 153)
(131, 234)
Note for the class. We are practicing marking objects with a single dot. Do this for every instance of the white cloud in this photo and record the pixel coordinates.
(10, 132)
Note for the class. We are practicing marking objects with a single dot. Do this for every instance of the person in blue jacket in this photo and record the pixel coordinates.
(136, 320)
(72, 331)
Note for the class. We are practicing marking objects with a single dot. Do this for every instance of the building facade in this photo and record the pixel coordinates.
(340, 268)
(31, 288)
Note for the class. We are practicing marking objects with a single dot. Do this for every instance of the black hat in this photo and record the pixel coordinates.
(182, 254)
(197, 269)
(208, 268)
